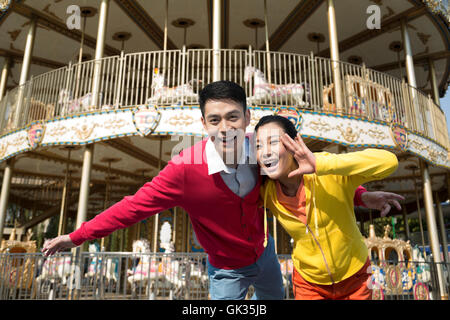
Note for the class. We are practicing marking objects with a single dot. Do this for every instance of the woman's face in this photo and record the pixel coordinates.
(274, 159)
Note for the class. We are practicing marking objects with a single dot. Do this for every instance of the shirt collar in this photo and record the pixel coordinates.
(215, 161)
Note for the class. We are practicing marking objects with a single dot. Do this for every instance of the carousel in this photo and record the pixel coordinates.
(96, 97)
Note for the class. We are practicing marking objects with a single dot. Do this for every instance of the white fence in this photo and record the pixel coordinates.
(269, 78)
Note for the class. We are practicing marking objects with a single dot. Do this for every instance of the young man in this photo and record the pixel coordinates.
(221, 196)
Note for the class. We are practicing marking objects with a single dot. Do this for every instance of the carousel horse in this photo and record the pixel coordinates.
(166, 94)
(422, 268)
(53, 270)
(148, 271)
(96, 264)
(263, 90)
(69, 105)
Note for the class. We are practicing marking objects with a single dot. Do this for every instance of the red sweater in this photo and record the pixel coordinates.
(228, 227)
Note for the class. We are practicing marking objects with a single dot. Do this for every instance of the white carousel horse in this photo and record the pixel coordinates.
(55, 268)
(263, 90)
(147, 270)
(95, 266)
(69, 105)
(422, 268)
(165, 94)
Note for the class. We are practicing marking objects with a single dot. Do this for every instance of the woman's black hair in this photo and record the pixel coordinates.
(283, 122)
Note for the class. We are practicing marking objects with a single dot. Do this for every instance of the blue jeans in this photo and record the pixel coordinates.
(264, 275)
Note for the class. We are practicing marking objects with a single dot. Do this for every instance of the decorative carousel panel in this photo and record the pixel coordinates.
(89, 128)
(346, 131)
(428, 150)
(14, 143)
(180, 121)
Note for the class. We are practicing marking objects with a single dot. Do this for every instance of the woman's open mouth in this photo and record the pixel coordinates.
(270, 165)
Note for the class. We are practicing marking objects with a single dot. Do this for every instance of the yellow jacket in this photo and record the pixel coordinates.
(336, 250)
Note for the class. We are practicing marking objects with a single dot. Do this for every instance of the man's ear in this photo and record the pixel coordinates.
(248, 117)
(203, 123)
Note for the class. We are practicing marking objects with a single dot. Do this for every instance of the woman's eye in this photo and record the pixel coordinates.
(274, 142)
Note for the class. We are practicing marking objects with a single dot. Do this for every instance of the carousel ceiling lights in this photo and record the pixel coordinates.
(254, 23)
(318, 38)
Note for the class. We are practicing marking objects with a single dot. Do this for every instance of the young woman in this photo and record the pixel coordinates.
(311, 195)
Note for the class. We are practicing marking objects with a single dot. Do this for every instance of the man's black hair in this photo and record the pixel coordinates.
(283, 122)
(222, 90)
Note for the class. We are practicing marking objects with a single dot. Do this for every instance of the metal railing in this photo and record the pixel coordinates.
(269, 78)
(180, 276)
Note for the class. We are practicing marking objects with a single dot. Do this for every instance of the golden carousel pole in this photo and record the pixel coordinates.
(442, 227)
(89, 149)
(107, 194)
(432, 228)
(25, 69)
(266, 28)
(156, 223)
(217, 5)
(426, 180)
(5, 75)
(334, 51)
(63, 211)
(413, 168)
(4, 196)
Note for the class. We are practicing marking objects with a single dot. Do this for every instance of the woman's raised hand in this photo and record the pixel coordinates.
(304, 157)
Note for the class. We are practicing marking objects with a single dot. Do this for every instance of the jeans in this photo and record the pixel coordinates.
(264, 275)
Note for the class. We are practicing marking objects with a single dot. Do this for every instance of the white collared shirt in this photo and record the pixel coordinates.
(241, 180)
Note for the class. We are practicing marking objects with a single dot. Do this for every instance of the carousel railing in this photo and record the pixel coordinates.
(269, 78)
(178, 276)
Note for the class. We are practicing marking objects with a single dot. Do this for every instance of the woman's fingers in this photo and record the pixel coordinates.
(289, 144)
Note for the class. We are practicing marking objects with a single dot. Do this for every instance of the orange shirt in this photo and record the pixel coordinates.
(297, 204)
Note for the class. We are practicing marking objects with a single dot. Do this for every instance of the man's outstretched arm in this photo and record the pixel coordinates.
(165, 191)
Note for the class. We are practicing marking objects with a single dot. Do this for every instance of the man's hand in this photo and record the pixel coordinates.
(304, 157)
(57, 244)
(382, 201)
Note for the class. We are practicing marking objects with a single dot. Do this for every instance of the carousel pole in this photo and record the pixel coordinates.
(217, 26)
(4, 78)
(334, 50)
(156, 224)
(405, 221)
(266, 27)
(442, 227)
(419, 212)
(89, 149)
(434, 85)
(166, 21)
(64, 197)
(80, 57)
(410, 73)
(6, 187)
(432, 228)
(25, 69)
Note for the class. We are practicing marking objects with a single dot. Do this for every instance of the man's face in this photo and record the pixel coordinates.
(225, 122)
